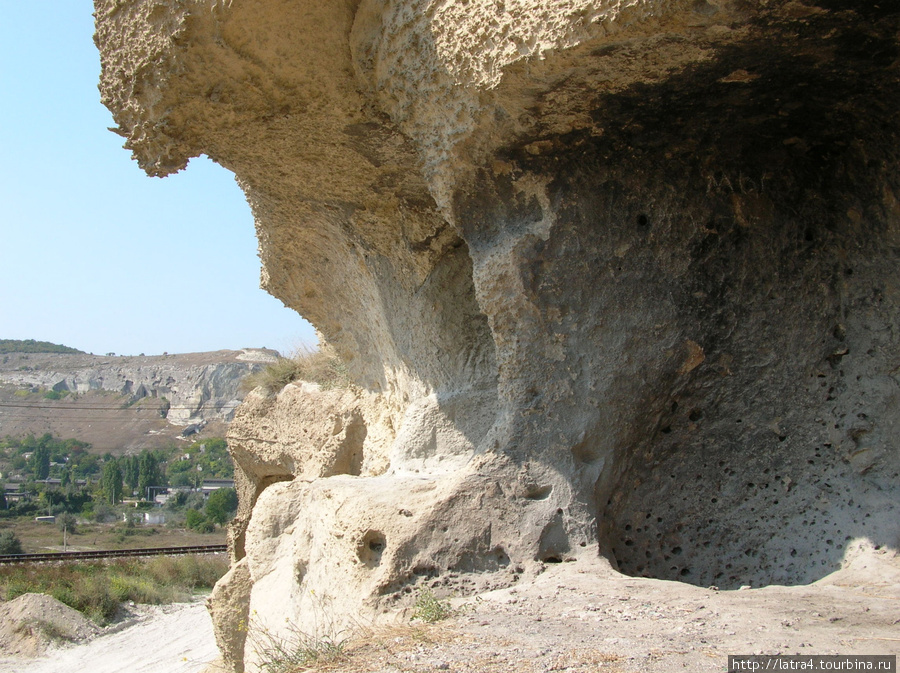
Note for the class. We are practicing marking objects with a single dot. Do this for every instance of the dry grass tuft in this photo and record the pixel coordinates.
(321, 366)
(431, 648)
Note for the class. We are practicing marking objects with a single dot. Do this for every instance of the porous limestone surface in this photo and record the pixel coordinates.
(609, 277)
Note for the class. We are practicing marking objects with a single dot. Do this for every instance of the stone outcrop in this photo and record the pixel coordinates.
(610, 277)
(194, 387)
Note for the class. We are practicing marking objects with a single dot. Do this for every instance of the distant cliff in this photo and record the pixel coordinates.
(123, 403)
(193, 387)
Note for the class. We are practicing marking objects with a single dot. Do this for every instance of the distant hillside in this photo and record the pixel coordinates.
(32, 346)
(123, 403)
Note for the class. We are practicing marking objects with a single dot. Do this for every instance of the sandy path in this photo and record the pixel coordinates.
(171, 639)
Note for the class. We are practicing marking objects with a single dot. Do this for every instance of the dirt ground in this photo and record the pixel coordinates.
(584, 617)
(575, 617)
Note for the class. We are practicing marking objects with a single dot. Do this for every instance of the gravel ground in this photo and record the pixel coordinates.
(582, 617)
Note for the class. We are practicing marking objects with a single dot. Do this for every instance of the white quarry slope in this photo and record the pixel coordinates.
(161, 639)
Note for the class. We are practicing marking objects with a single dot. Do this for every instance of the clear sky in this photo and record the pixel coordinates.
(93, 253)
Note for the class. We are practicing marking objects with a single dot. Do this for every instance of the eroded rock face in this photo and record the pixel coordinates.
(612, 278)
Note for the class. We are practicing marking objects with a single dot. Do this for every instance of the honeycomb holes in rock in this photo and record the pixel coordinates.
(703, 551)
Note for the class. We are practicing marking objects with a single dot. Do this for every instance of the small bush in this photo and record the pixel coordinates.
(188, 571)
(43, 628)
(196, 521)
(93, 597)
(125, 531)
(9, 543)
(431, 609)
(143, 590)
(164, 569)
(321, 366)
(103, 513)
(64, 594)
(284, 655)
(14, 588)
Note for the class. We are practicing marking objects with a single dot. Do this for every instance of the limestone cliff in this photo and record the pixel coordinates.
(610, 277)
(195, 387)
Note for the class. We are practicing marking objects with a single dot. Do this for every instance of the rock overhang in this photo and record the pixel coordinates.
(631, 262)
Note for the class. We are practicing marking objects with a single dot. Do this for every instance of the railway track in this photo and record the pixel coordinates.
(112, 553)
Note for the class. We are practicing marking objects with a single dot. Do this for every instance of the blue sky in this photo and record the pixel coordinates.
(93, 253)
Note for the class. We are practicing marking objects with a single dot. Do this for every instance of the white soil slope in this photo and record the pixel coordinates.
(171, 639)
(29, 622)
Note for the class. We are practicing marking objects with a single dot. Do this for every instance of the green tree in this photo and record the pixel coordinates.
(221, 505)
(84, 465)
(51, 501)
(183, 479)
(111, 482)
(149, 473)
(66, 522)
(214, 458)
(130, 471)
(40, 461)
